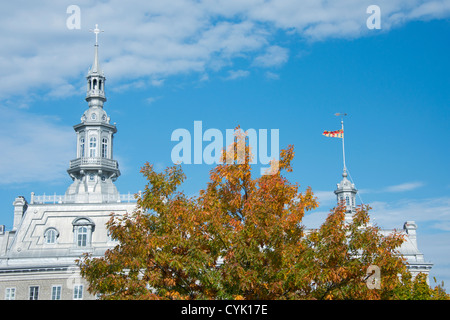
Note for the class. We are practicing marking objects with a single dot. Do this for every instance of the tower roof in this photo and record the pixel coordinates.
(96, 65)
(95, 95)
(345, 184)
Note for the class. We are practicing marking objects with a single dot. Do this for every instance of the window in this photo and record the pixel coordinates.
(95, 84)
(50, 236)
(82, 236)
(56, 292)
(92, 147)
(34, 293)
(82, 148)
(78, 292)
(104, 148)
(10, 294)
(347, 200)
(110, 237)
(82, 229)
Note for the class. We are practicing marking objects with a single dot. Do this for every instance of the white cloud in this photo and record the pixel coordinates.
(236, 74)
(273, 57)
(325, 197)
(34, 148)
(435, 212)
(153, 39)
(272, 76)
(151, 100)
(404, 187)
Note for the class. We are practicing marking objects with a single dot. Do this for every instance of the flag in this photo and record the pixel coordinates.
(334, 134)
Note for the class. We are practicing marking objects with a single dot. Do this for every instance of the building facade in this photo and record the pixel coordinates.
(37, 257)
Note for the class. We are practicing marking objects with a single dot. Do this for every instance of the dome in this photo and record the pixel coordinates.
(95, 114)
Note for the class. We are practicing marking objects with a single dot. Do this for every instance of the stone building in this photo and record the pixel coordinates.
(37, 257)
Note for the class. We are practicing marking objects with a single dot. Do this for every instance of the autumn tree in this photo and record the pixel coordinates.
(242, 237)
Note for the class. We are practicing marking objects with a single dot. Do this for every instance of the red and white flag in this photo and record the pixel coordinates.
(334, 134)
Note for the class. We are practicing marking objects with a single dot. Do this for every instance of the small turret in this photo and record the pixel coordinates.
(346, 193)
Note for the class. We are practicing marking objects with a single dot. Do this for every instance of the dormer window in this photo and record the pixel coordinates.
(82, 233)
(50, 236)
(83, 228)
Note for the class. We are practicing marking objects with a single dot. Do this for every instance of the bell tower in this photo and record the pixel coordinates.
(94, 170)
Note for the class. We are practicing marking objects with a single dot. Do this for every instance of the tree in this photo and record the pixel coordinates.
(241, 238)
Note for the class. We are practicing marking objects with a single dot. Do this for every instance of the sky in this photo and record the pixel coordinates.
(281, 65)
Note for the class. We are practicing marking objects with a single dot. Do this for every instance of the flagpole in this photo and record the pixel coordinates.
(343, 148)
(342, 115)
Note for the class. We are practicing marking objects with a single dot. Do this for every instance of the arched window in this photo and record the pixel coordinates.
(347, 200)
(93, 147)
(89, 85)
(82, 233)
(51, 235)
(83, 228)
(100, 85)
(82, 148)
(104, 148)
(95, 84)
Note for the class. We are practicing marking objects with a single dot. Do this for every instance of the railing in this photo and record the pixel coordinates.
(103, 198)
(97, 161)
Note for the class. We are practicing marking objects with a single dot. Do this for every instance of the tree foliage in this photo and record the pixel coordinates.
(242, 237)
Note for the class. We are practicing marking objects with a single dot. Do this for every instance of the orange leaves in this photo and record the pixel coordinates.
(241, 238)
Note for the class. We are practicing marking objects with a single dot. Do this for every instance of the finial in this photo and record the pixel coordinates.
(96, 31)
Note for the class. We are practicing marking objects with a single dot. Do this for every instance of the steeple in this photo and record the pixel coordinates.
(95, 66)
(95, 95)
(93, 171)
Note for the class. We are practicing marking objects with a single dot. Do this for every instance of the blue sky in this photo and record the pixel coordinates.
(258, 64)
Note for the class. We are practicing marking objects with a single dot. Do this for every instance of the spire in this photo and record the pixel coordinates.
(95, 95)
(96, 66)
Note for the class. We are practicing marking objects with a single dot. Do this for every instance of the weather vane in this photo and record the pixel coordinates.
(340, 114)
